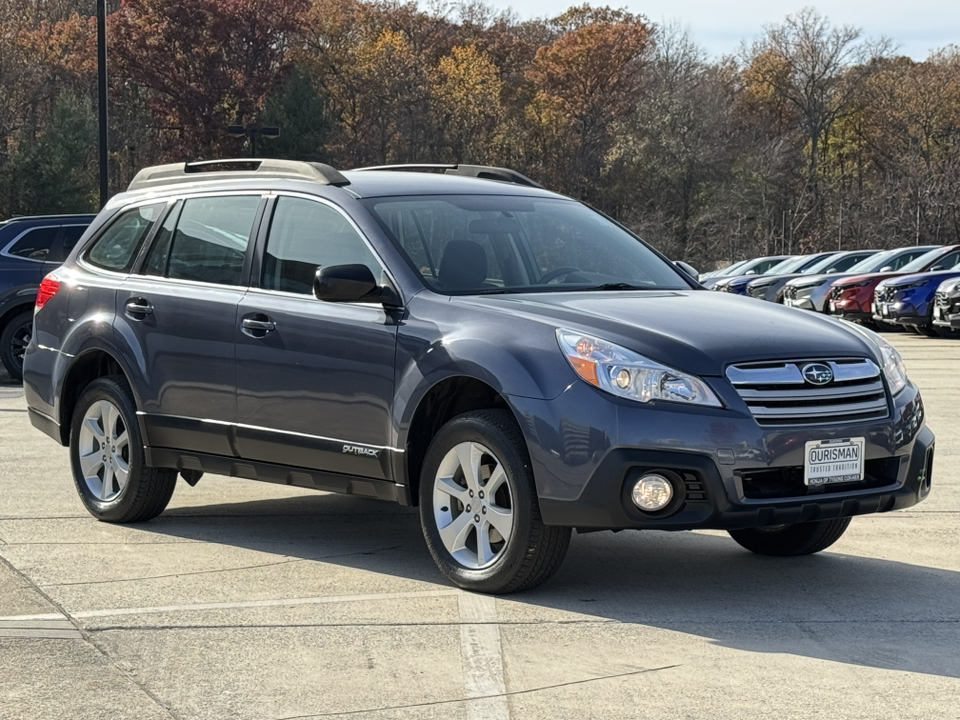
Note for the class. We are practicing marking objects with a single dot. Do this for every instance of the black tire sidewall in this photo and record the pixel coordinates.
(110, 389)
(14, 368)
(472, 427)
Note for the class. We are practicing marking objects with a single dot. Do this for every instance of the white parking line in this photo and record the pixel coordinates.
(157, 609)
(482, 658)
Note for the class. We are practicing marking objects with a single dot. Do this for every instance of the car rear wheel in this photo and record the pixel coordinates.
(13, 343)
(107, 459)
(479, 510)
(787, 540)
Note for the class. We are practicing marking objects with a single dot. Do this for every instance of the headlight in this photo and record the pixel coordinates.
(862, 283)
(911, 286)
(892, 366)
(760, 284)
(627, 374)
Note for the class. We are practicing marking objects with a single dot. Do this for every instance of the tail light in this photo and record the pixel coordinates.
(48, 288)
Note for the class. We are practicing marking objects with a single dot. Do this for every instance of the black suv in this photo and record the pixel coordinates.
(506, 358)
(30, 247)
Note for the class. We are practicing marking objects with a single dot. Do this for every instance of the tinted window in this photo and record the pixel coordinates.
(211, 239)
(305, 235)
(117, 246)
(71, 235)
(498, 243)
(905, 259)
(35, 244)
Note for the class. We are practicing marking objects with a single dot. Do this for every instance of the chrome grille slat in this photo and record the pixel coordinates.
(777, 393)
(815, 393)
(942, 300)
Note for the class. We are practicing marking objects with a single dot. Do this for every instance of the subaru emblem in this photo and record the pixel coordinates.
(817, 373)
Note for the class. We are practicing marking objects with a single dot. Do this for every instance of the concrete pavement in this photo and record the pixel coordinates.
(247, 600)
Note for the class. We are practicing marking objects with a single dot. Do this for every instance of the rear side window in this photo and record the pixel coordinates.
(210, 240)
(35, 244)
(305, 235)
(117, 246)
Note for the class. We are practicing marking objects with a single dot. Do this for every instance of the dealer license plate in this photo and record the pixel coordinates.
(833, 461)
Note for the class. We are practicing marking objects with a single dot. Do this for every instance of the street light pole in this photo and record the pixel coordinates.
(102, 95)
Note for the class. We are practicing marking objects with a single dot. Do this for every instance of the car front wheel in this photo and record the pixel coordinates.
(479, 510)
(787, 540)
(106, 455)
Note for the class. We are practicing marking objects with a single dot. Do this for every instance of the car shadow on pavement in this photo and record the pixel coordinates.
(832, 606)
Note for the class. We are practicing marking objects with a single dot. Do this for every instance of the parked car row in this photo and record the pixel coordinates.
(915, 288)
(30, 247)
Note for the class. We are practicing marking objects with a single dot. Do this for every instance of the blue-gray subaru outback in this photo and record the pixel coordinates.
(506, 358)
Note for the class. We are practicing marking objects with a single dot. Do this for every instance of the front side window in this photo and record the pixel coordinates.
(305, 235)
(116, 248)
(35, 244)
(210, 240)
(496, 243)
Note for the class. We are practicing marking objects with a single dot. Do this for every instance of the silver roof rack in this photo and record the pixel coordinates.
(478, 171)
(236, 168)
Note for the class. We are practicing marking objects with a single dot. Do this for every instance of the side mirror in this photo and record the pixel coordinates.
(887, 268)
(687, 268)
(351, 283)
(938, 268)
(750, 272)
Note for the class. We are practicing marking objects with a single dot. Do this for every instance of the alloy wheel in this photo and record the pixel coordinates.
(104, 446)
(473, 505)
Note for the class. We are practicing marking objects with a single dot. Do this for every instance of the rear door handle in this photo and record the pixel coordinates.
(138, 308)
(258, 325)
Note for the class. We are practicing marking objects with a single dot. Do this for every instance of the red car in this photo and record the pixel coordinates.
(852, 297)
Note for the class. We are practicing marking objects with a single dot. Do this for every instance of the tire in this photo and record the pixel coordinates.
(105, 421)
(948, 333)
(13, 342)
(789, 540)
(927, 330)
(528, 552)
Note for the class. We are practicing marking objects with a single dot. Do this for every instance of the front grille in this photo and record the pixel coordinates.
(790, 293)
(778, 394)
(883, 294)
(788, 481)
(942, 300)
(835, 293)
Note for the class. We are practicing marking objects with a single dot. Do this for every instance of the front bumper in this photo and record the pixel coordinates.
(735, 473)
(946, 318)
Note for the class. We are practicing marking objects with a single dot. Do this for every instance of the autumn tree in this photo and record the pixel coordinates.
(205, 63)
(584, 81)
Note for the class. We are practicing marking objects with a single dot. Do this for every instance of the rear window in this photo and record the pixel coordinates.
(116, 248)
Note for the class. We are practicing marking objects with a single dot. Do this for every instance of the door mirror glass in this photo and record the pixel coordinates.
(687, 268)
(345, 283)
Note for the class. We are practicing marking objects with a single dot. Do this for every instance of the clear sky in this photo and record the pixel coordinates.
(916, 26)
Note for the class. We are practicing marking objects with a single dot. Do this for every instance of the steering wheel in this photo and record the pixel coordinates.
(559, 272)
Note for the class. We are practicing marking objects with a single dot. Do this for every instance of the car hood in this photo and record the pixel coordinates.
(933, 278)
(869, 277)
(695, 331)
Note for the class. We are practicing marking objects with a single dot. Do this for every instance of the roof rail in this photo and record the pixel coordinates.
(237, 168)
(478, 171)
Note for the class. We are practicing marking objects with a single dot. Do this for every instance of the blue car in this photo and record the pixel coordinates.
(908, 300)
(30, 247)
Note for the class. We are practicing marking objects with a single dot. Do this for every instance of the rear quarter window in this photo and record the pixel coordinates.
(116, 248)
(35, 243)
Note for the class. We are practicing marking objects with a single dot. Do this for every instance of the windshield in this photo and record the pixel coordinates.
(920, 263)
(470, 244)
(731, 269)
(874, 262)
(788, 266)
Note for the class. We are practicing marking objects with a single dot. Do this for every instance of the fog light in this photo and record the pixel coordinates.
(652, 492)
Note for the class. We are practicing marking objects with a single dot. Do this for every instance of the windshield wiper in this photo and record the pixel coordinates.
(611, 286)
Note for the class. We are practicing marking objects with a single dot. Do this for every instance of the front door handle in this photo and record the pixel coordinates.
(138, 308)
(257, 325)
